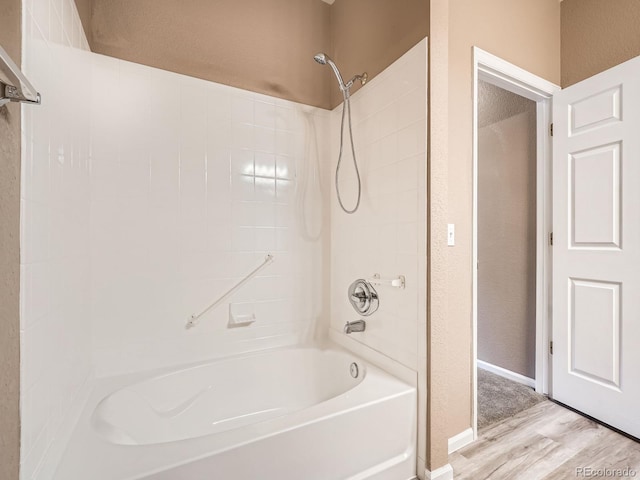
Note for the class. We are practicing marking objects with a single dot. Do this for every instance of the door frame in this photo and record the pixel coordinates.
(505, 75)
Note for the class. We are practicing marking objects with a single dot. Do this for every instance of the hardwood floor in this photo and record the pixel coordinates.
(546, 442)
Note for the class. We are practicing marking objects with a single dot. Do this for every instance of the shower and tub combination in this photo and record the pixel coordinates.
(314, 411)
(250, 270)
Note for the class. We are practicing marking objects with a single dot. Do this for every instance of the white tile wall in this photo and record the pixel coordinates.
(387, 235)
(55, 323)
(193, 183)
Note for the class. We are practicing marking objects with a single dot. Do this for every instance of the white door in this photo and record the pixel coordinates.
(596, 252)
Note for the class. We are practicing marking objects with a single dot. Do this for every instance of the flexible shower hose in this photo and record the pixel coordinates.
(347, 106)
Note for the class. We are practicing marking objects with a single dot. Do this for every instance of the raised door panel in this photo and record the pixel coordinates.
(594, 331)
(595, 197)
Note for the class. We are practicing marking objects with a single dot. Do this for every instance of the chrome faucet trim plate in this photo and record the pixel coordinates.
(363, 297)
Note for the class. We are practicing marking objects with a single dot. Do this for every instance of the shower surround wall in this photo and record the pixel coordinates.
(192, 184)
(55, 197)
(387, 235)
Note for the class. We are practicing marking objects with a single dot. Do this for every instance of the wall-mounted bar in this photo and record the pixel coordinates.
(14, 86)
(194, 318)
(397, 282)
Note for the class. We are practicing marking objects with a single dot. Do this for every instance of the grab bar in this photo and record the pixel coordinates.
(193, 319)
(14, 86)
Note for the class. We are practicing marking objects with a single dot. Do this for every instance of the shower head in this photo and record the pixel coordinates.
(324, 59)
(321, 58)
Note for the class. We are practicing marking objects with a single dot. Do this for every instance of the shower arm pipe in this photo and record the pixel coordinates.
(362, 78)
(192, 322)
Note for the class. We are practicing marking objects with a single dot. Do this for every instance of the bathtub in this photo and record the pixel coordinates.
(281, 414)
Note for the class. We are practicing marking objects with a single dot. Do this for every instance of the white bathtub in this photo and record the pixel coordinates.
(282, 414)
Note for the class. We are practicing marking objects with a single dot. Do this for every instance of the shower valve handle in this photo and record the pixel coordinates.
(363, 297)
(359, 296)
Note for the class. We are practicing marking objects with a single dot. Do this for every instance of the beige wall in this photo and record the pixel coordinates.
(10, 39)
(506, 229)
(526, 33)
(438, 386)
(84, 11)
(369, 35)
(265, 46)
(597, 35)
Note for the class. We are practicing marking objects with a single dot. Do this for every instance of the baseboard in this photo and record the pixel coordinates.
(503, 372)
(442, 473)
(460, 440)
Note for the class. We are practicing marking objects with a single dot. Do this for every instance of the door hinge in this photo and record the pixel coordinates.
(551, 130)
(551, 347)
(551, 239)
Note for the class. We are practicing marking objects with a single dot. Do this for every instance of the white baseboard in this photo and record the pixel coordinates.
(503, 372)
(442, 473)
(460, 440)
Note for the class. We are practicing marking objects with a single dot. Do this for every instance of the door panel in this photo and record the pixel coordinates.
(595, 197)
(594, 331)
(596, 253)
(596, 111)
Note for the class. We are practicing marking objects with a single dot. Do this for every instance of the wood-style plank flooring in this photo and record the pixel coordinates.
(546, 442)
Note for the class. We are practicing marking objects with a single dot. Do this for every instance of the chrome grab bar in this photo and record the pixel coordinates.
(192, 322)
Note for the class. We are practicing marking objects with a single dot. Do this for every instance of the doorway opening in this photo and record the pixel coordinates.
(511, 228)
(506, 245)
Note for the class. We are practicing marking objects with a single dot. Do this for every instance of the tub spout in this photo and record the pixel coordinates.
(357, 326)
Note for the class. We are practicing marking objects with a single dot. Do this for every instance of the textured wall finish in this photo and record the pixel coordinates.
(10, 39)
(526, 33)
(437, 157)
(597, 35)
(506, 230)
(266, 46)
(496, 104)
(369, 35)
